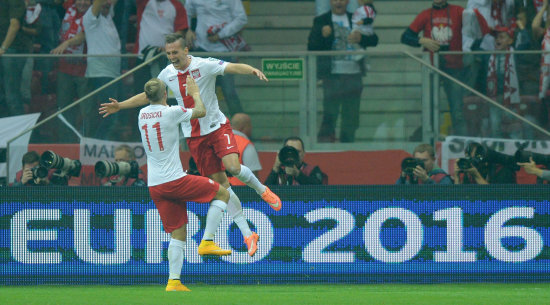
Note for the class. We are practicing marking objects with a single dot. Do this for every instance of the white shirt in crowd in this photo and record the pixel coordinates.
(227, 14)
(159, 18)
(102, 38)
(204, 71)
(158, 125)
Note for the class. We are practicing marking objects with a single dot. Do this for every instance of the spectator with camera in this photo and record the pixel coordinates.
(484, 166)
(123, 172)
(422, 169)
(32, 173)
(290, 169)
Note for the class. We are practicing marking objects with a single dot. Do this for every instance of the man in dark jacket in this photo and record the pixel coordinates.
(293, 170)
(426, 171)
(342, 74)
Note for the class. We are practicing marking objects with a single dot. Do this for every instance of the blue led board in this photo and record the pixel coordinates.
(347, 234)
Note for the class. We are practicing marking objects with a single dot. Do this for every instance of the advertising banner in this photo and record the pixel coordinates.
(322, 234)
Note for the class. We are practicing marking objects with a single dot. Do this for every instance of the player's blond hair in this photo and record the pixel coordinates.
(155, 90)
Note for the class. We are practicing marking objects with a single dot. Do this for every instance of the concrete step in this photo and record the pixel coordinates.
(280, 36)
(287, 91)
(293, 8)
(386, 78)
(368, 105)
(306, 21)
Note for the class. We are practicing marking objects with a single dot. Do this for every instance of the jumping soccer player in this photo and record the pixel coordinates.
(170, 187)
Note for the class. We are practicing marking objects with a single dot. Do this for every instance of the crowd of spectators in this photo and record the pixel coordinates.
(103, 27)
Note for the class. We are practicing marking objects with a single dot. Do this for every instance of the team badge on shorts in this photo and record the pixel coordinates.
(210, 180)
(196, 73)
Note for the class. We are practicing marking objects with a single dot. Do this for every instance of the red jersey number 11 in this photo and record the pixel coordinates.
(159, 135)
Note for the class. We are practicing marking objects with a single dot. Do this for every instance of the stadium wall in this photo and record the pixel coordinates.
(331, 234)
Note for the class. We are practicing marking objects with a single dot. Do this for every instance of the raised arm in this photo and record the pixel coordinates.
(193, 90)
(114, 106)
(537, 24)
(233, 68)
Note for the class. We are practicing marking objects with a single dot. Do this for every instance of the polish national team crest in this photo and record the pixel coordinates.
(196, 73)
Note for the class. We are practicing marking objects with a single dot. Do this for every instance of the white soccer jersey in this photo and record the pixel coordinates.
(204, 71)
(361, 13)
(158, 125)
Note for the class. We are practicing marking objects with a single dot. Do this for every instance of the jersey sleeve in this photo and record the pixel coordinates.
(180, 114)
(215, 66)
(163, 76)
(358, 15)
(419, 22)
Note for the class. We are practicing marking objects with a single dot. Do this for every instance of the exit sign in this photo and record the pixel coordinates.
(283, 68)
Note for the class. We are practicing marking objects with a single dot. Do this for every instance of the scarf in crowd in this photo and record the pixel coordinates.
(545, 65)
(511, 87)
(33, 13)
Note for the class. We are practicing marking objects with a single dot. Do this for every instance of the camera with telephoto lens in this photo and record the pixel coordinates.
(289, 156)
(39, 172)
(539, 159)
(129, 169)
(482, 156)
(409, 164)
(464, 163)
(66, 166)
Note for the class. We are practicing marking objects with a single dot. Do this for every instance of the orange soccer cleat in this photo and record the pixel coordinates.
(273, 200)
(252, 243)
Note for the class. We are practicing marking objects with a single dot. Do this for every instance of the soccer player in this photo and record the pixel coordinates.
(170, 187)
(210, 139)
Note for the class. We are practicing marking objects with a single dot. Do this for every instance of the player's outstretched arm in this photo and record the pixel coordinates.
(193, 90)
(244, 69)
(114, 106)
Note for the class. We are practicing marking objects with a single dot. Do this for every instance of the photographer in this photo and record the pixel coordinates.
(135, 177)
(32, 173)
(484, 166)
(421, 169)
(289, 168)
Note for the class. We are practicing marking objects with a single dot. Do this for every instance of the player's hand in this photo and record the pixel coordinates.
(292, 171)
(107, 109)
(326, 31)
(259, 74)
(531, 167)
(421, 173)
(27, 175)
(60, 48)
(192, 87)
(429, 44)
(354, 37)
(190, 38)
(213, 38)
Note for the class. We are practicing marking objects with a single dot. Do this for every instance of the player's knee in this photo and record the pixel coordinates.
(234, 169)
(222, 194)
(180, 233)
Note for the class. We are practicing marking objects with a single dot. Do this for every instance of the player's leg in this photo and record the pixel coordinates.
(244, 174)
(176, 250)
(202, 189)
(174, 220)
(213, 220)
(235, 210)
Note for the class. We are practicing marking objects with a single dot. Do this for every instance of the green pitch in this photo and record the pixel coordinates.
(282, 294)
